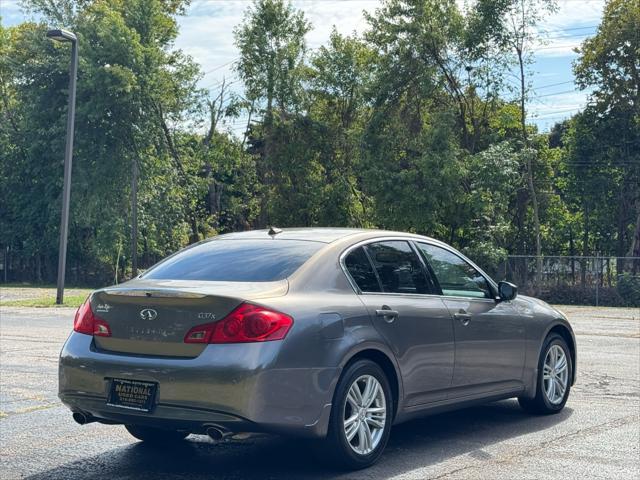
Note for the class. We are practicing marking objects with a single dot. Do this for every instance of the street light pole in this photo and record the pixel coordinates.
(66, 36)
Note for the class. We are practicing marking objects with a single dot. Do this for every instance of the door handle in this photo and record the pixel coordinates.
(463, 316)
(387, 314)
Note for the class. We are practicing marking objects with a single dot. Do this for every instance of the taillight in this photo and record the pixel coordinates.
(87, 323)
(247, 323)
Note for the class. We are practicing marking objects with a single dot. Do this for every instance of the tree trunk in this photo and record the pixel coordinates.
(189, 210)
(215, 198)
(585, 248)
(246, 130)
(572, 253)
(634, 251)
(39, 267)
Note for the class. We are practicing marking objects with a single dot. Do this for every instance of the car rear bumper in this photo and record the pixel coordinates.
(237, 387)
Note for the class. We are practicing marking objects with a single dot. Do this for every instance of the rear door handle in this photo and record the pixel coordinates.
(387, 314)
(463, 316)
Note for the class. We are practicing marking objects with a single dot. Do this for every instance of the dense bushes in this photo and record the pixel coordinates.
(626, 294)
(629, 289)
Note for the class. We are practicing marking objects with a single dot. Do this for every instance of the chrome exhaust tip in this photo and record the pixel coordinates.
(82, 419)
(216, 434)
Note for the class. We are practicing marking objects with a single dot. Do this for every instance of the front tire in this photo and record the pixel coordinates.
(156, 436)
(361, 417)
(555, 372)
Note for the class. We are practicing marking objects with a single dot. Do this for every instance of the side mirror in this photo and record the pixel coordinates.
(507, 291)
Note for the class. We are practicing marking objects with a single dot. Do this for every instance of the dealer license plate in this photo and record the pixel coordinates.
(132, 394)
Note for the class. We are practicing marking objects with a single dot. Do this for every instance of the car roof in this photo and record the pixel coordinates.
(316, 234)
(324, 235)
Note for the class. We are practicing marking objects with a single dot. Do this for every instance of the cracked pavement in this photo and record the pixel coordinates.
(596, 436)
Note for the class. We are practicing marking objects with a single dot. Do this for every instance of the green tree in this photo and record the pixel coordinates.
(132, 87)
(513, 27)
(31, 127)
(428, 50)
(272, 47)
(340, 78)
(610, 62)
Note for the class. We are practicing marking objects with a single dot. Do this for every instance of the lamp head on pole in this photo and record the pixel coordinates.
(61, 35)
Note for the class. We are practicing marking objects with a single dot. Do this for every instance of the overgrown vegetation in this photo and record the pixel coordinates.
(414, 126)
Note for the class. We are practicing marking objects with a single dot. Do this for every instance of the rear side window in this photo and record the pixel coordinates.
(361, 271)
(236, 261)
(398, 267)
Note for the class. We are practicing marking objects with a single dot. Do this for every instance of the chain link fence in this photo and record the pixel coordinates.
(576, 280)
(569, 280)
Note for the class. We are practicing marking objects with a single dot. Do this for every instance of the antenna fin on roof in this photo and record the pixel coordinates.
(273, 231)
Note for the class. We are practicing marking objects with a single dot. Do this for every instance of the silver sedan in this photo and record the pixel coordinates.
(329, 334)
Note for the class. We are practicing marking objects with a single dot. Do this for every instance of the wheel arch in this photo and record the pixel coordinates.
(382, 359)
(567, 334)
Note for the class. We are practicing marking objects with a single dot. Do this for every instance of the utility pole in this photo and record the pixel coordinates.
(134, 218)
(66, 36)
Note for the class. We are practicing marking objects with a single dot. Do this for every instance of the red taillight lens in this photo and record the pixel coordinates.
(87, 323)
(83, 321)
(247, 323)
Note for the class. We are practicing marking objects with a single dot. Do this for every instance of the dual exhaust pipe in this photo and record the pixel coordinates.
(217, 434)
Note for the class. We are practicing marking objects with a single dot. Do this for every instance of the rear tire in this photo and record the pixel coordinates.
(362, 410)
(156, 436)
(555, 371)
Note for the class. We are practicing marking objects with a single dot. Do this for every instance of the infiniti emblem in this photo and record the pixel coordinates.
(148, 314)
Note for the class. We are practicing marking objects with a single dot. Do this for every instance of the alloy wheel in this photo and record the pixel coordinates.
(555, 374)
(365, 414)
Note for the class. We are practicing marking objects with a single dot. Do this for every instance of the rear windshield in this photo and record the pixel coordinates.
(236, 261)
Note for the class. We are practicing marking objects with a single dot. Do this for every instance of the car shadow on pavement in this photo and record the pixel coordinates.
(418, 444)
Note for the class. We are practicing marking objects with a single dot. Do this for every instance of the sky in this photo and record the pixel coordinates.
(206, 33)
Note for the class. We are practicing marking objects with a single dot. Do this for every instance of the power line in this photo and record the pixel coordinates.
(553, 85)
(219, 83)
(221, 66)
(559, 111)
(553, 118)
(554, 46)
(568, 29)
(560, 37)
(557, 93)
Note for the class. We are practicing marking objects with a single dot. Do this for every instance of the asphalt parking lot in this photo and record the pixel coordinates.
(596, 436)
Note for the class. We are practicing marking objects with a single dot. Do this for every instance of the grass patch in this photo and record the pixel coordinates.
(44, 286)
(42, 302)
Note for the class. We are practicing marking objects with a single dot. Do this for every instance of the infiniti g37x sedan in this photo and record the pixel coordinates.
(329, 334)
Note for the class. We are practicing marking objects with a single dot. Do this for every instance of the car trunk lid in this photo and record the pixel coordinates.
(153, 317)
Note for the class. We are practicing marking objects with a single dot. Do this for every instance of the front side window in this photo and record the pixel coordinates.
(398, 267)
(456, 277)
(236, 261)
(361, 271)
